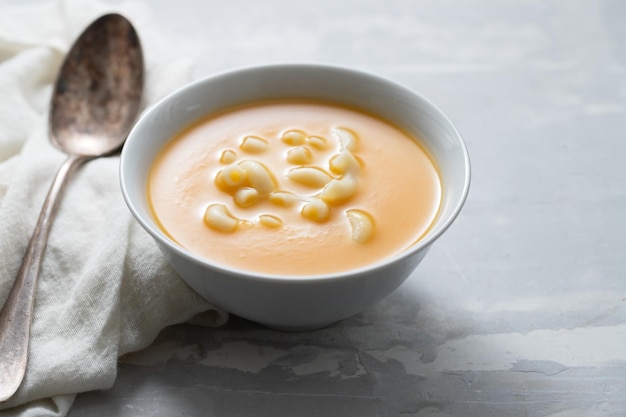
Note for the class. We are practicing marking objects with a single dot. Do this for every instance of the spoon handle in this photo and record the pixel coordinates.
(16, 315)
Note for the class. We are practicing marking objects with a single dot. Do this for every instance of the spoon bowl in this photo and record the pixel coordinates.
(98, 91)
(96, 99)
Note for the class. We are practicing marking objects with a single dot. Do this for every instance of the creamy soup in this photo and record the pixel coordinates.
(294, 188)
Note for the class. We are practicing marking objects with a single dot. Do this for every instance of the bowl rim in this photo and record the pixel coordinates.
(152, 228)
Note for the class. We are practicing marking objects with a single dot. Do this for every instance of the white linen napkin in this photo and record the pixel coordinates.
(104, 288)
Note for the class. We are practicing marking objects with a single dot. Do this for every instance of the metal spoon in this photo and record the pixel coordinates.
(95, 102)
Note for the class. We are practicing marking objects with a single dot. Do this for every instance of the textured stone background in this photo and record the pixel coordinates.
(519, 310)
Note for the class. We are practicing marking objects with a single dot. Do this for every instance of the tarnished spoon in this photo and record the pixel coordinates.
(95, 102)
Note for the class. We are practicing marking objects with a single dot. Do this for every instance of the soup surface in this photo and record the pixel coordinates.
(294, 188)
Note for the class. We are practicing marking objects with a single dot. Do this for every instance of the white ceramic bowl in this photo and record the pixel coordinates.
(299, 302)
